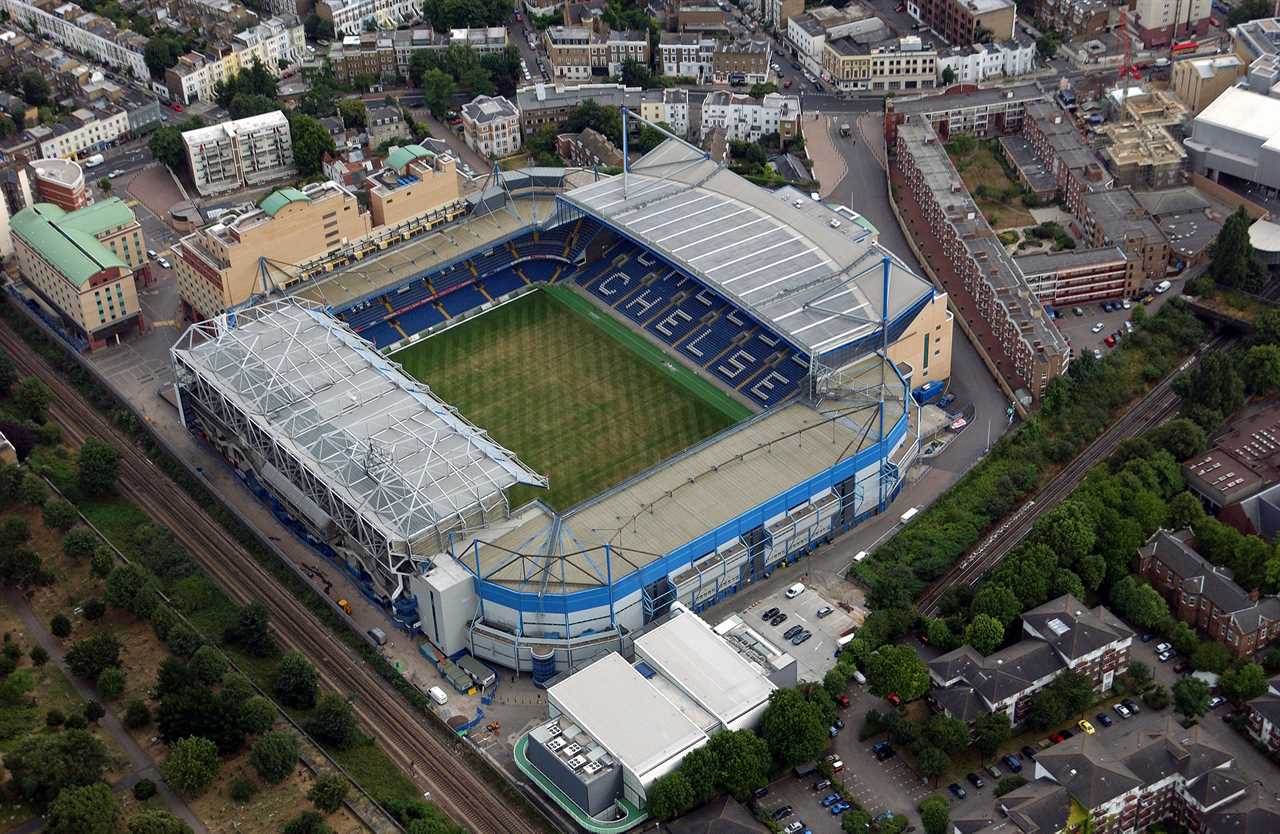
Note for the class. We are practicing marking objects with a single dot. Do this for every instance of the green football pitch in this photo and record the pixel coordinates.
(575, 394)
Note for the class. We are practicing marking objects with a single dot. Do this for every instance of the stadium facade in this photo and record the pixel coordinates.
(789, 305)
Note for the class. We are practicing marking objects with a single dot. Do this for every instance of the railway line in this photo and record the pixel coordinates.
(433, 763)
(1159, 404)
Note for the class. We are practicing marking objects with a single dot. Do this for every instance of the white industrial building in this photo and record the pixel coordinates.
(614, 727)
(1238, 135)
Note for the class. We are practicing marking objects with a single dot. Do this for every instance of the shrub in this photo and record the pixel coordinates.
(14, 530)
(274, 756)
(93, 609)
(103, 562)
(54, 718)
(79, 543)
(137, 715)
(93, 711)
(328, 792)
(59, 514)
(39, 656)
(111, 683)
(144, 789)
(308, 822)
(192, 764)
(75, 722)
(1009, 783)
(242, 789)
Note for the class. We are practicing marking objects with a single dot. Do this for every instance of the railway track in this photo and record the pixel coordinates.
(1159, 404)
(432, 762)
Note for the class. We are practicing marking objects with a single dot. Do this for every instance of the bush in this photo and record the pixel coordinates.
(87, 658)
(144, 789)
(192, 765)
(14, 530)
(111, 683)
(59, 514)
(93, 609)
(39, 656)
(54, 718)
(208, 664)
(137, 715)
(1156, 698)
(242, 789)
(76, 722)
(257, 714)
(274, 756)
(1009, 783)
(104, 561)
(93, 711)
(328, 792)
(308, 822)
(79, 543)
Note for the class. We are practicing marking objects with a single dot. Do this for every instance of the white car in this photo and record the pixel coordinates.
(795, 590)
(1161, 648)
(164, 262)
(1097, 328)
(1216, 701)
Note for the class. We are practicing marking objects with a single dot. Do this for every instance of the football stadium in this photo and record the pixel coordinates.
(532, 431)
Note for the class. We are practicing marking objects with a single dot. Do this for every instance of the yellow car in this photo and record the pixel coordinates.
(1087, 727)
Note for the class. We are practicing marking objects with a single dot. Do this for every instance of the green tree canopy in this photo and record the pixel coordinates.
(984, 633)
(40, 766)
(296, 681)
(86, 809)
(274, 756)
(935, 813)
(1245, 683)
(1191, 697)
(990, 731)
(311, 141)
(793, 728)
(88, 657)
(670, 796)
(744, 762)
(897, 669)
(155, 821)
(333, 722)
(191, 766)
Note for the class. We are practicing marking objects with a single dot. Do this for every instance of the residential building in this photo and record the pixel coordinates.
(82, 265)
(277, 43)
(893, 64)
(1188, 221)
(350, 168)
(350, 17)
(696, 16)
(670, 105)
(1057, 142)
(1206, 596)
(588, 148)
(383, 123)
(383, 56)
(60, 182)
(810, 32)
(981, 62)
(1075, 18)
(231, 155)
(82, 32)
(1264, 717)
(548, 104)
(778, 13)
(1243, 462)
(1157, 22)
(962, 22)
(580, 52)
(217, 20)
(542, 9)
(984, 112)
(222, 265)
(1061, 635)
(84, 131)
(484, 40)
(978, 272)
(747, 119)
(740, 62)
(621, 47)
(491, 126)
(686, 55)
(1236, 139)
(1080, 276)
(416, 189)
(1116, 218)
(1201, 80)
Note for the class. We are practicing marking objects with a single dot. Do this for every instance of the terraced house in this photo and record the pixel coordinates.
(1058, 636)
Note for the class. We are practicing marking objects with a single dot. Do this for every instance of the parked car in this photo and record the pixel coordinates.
(833, 731)
(1131, 706)
(1104, 719)
(795, 590)
(839, 808)
(830, 799)
(792, 632)
(957, 791)
(1111, 341)
(1066, 734)
(1122, 711)
(1028, 752)
(975, 780)
(802, 637)
(1077, 311)
(822, 784)
(1182, 667)
(164, 262)
(782, 813)
(778, 620)
(824, 611)
(1216, 701)
(1084, 725)
(1162, 647)
(1057, 738)
(1147, 638)
(842, 701)
(946, 400)
(1164, 656)
(759, 793)
(1012, 763)
(993, 771)
(770, 614)
(1097, 328)
(794, 827)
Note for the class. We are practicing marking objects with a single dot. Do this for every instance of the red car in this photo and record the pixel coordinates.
(1057, 738)
(842, 700)
(900, 8)
(177, 108)
(894, 699)
(1111, 341)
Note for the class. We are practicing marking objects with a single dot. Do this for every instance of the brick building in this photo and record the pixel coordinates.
(1055, 139)
(1264, 717)
(1206, 596)
(1242, 463)
(963, 22)
(1116, 218)
(1080, 276)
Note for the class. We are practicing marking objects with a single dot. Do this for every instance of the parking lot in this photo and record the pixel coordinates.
(815, 656)
(1079, 329)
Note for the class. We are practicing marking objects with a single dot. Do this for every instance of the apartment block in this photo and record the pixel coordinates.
(686, 55)
(384, 123)
(220, 266)
(1058, 143)
(740, 62)
(484, 39)
(491, 126)
(1158, 22)
(84, 130)
(384, 56)
(417, 188)
(350, 17)
(1116, 218)
(236, 154)
(670, 105)
(980, 62)
(1076, 18)
(983, 113)
(747, 119)
(892, 64)
(1080, 276)
(1061, 635)
(1264, 717)
(550, 104)
(82, 264)
(60, 182)
(778, 13)
(589, 148)
(963, 22)
(978, 271)
(218, 20)
(1206, 596)
(809, 33)
(82, 32)
(577, 53)
(696, 16)
(276, 43)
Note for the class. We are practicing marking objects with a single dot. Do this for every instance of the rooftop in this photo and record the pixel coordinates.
(557, 95)
(64, 172)
(979, 98)
(69, 241)
(1119, 214)
(484, 109)
(1243, 111)
(239, 127)
(1049, 262)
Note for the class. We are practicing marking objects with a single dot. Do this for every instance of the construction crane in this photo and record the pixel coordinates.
(1127, 69)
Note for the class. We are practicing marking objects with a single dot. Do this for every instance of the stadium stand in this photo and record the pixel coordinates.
(418, 319)
(381, 334)
(501, 283)
(461, 300)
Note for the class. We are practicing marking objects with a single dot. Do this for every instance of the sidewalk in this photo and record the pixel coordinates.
(141, 764)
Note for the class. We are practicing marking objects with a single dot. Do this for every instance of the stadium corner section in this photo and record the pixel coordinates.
(732, 409)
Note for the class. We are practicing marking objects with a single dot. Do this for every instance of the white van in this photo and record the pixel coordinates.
(860, 678)
(1163, 286)
(795, 590)
(861, 554)
(437, 695)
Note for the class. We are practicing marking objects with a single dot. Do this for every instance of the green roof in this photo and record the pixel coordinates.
(277, 200)
(67, 240)
(404, 154)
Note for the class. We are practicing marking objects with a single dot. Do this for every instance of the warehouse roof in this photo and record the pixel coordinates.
(1244, 112)
(68, 241)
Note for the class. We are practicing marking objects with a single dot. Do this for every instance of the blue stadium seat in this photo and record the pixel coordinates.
(381, 334)
(537, 271)
(488, 264)
(676, 323)
(461, 300)
(409, 295)
(453, 278)
(710, 340)
(647, 302)
(374, 312)
(586, 232)
(419, 319)
(615, 285)
(501, 283)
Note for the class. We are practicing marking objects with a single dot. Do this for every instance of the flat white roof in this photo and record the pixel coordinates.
(723, 682)
(1244, 112)
(626, 715)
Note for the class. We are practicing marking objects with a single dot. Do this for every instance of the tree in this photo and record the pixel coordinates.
(948, 76)
(243, 105)
(60, 626)
(167, 147)
(87, 809)
(15, 685)
(111, 683)
(1211, 657)
(1191, 697)
(997, 602)
(79, 543)
(274, 756)
(951, 735)
(1247, 10)
(990, 731)
(105, 185)
(1260, 369)
(1157, 697)
(328, 792)
(296, 681)
(437, 90)
(58, 513)
(155, 821)
(932, 762)
(35, 88)
(333, 721)
(897, 669)
(1139, 603)
(311, 141)
(835, 681)
(670, 796)
(191, 766)
(40, 766)
(793, 728)
(197, 711)
(1181, 437)
(1009, 783)
(935, 811)
(744, 762)
(1245, 683)
(8, 376)
(984, 633)
(353, 112)
(250, 631)
(20, 567)
(137, 715)
(87, 658)
(1211, 390)
(257, 715)
(308, 822)
(1230, 260)
(702, 769)
(208, 664)
(130, 588)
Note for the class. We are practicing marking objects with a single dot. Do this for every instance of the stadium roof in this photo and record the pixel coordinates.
(384, 442)
(819, 285)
